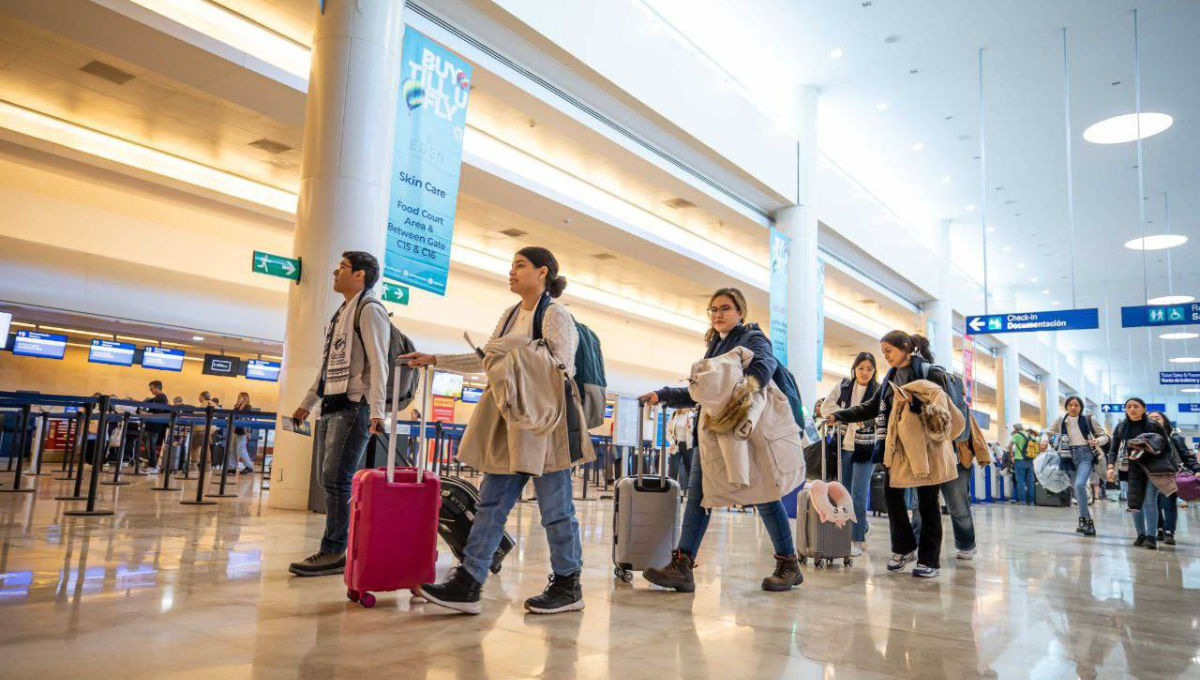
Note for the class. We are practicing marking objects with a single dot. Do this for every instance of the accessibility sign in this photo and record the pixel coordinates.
(276, 265)
(1030, 322)
(1160, 315)
(1179, 377)
(1120, 408)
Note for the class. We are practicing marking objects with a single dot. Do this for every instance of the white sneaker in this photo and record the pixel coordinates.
(856, 548)
(966, 554)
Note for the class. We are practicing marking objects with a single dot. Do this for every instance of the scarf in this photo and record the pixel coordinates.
(338, 344)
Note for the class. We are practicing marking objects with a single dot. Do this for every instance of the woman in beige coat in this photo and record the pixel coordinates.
(918, 445)
(532, 349)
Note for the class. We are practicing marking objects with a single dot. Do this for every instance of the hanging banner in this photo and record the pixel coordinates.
(1160, 315)
(1120, 408)
(780, 249)
(969, 368)
(1189, 408)
(426, 159)
(1179, 377)
(1032, 322)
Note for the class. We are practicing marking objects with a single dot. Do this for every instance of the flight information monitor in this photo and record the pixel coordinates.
(111, 352)
(43, 345)
(447, 384)
(5, 323)
(162, 358)
(262, 370)
(219, 364)
(471, 395)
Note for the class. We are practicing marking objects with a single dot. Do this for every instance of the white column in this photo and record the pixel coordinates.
(345, 167)
(1050, 383)
(799, 223)
(1010, 379)
(939, 313)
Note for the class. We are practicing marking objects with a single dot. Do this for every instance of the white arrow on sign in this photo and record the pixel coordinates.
(289, 267)
(977, 324)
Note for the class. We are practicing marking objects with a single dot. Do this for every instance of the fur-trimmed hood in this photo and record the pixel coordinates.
(737, 409)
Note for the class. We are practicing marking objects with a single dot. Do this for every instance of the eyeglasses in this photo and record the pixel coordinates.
(723, 309)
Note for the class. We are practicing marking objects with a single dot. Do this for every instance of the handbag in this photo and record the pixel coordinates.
(1187, 485)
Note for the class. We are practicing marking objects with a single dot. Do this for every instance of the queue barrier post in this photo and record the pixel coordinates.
(139, 447)
(229, 437)
(38, 447)
(19, 452)
(116, 478)
(97, 463)
(201, 476)
(169, 455)
(81, 441)
(186, 466)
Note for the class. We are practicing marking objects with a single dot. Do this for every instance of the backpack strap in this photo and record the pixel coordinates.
(362, 304)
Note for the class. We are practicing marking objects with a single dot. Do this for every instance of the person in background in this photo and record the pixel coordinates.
(242, 436)
(1153, 455)
(856, 441)
(153, 433)
(1018, 451)
(350, 386)
(1168, 505)
(1079, 436)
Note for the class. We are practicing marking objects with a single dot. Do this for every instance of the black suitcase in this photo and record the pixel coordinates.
(1044, 498)
(460, 498)
(876, 502)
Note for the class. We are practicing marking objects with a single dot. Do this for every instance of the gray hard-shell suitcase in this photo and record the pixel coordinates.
(645, 516)
(821, 541)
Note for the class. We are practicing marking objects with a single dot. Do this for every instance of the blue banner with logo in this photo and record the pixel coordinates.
(1179, 377)
(426, 158)
(780, 249)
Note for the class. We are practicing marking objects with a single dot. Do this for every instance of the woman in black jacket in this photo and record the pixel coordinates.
(1168, 506)
(1143, 495)
(727, 312)
(910, 359)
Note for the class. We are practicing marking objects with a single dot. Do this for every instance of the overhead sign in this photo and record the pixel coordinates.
(43, 345)
(780, 246)
(276, 265)
(1160, 315)
(219, 364)
(1031, 322)
(1120, 408)
(394, 292)
(162, 358)
(257, 369)
(111, 352)
(1179, 377)
(426, 159)
(1189, 408)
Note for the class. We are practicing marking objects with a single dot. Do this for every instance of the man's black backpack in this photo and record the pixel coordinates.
(398, 344)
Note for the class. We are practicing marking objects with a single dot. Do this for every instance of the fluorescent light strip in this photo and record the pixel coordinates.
(85, 140)
(236, 31)
(841, 312)
(73, 331)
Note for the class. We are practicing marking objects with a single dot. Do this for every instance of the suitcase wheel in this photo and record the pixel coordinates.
(352, 595)
(803, 560)
(849, 562)
(623, 574)
(367, 600)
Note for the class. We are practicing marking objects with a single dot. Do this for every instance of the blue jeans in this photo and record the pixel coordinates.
(498, 494)
(695, 518)
(1084, 460)
(1145, 520)
(1023, 481)
(341, 437)
(857, 478)
(1168, 515)
(957, 494)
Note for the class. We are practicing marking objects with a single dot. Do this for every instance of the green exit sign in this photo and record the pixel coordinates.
(394, 292)
(276, 265)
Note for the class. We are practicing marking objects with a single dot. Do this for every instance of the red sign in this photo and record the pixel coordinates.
(443, 409)
(58, 437)
(969, 368)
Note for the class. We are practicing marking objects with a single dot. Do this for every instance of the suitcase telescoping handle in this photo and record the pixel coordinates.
(823, 432)
(419, 459)
(637, 450)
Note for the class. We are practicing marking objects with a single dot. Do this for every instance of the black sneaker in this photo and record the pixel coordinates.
(460, 592)
(1090, 528)
(562, 594)
(319, 564)
(1160, 534)
(1140, 541)
(1151, 544)
(1169, 537)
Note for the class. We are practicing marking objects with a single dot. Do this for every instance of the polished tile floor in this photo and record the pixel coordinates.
(165, 591)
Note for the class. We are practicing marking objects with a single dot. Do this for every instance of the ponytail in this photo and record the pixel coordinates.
(915, 344)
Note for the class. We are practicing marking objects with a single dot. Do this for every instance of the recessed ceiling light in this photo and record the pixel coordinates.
(1045, 291)
(1191, 390)
(1124, 128)
(945, 179)
(1171, 300)
(970, 207)
(198, 338)
(918, 146)
(1033, 279)
(1185, 335)
(1186, 360)
(991, 230)
(1055, 303)
(1156, 242)
(836, 53)
(881, 106)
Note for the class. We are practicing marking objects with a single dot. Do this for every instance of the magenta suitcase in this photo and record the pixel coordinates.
(392, 543)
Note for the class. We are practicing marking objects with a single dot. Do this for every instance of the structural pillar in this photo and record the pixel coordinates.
(799, 223)
(1009, 379)
(344, 187)
(939, 313)
(1050, 381)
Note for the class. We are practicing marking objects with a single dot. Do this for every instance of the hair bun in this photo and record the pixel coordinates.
(556, 286)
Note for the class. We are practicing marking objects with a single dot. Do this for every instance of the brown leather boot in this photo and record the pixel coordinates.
(786, 575)
(677, 574)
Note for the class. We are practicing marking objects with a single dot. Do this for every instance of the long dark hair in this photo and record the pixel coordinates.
(540, 257)
(1075, 399)
(1166, 422)
(915, 343)
(869, 358)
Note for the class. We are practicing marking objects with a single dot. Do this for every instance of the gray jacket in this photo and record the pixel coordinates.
(368, 359)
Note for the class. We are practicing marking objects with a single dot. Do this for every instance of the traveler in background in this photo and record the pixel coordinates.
(501, 452)
(1168, 504)
(1079, 436)
(682, 428)
(242, 437)
(351, 386)
(727, 311)
(218, 442)
(856, 441)
(1018, 451)
(1143, 444)
(915, 455)
(153, 433)
(957, 492)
